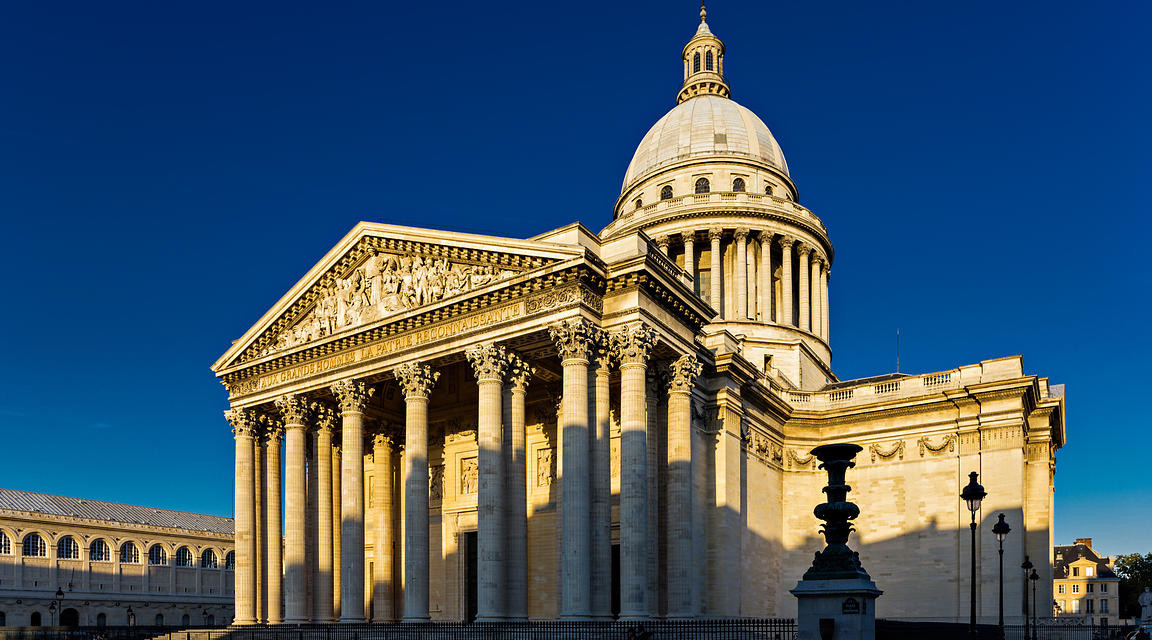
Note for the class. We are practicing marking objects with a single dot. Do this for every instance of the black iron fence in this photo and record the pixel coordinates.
(705, 629)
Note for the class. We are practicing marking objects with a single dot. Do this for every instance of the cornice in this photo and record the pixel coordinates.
(42, 520)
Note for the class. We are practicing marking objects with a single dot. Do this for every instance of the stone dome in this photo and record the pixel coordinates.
(703, 126)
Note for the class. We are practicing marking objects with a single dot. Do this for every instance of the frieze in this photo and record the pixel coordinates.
(764, 448)
(436, 483)
(925, 446)
(797, 461)
(469, 475)
(897, 450)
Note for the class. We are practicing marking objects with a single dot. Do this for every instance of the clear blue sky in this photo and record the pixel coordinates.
(168, 170)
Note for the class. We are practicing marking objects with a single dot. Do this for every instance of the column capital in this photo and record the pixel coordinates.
(766, 237)
(489, 361)
(573, 339)
(383, 439)
(325, 418)
(519, 372)
(416, 380)
(352, 395)
(664, 242)
(604, 351)
(687, 236)
(634, 343)
(742, 233)
(244, 422)
(684, 371)
(803, 249)
(273, 428)
(293, 409)
(785, 242)
(715, 233)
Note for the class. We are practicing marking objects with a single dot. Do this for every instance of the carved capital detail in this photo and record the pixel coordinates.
(294, 410)
(519, 372)
(742, 234)
(664, 242)
(573, 339)
(273, 429)
(243, 422)
(684, 371)
(416, 380)
(352, 395)
(634, 343)
(383, 440)
(715, 234)
(604, 351)
(803, 249)
(489, 361)
(325, 418)
(785, 242)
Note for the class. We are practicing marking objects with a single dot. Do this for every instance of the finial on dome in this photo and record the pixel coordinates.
(703, 11)
(703, 63)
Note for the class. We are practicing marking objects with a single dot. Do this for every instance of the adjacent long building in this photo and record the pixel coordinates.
(613, 424)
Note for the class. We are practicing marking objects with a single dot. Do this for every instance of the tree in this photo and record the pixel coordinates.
(1135, 573)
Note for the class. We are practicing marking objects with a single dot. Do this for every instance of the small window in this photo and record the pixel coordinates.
(157, 556)
(1091, 587)
(639, 203)
(1075, 572)
(666, 193)
(1060, 588)
(98, 551)
(768, 190)
(1075, 588)
(696, 62)
(1090, 606)
(101, 620)
(708, 61)
(185, 620)
(34, 546)
(1103, 605)
(208, 559)
(1104, 588)
(129, 554)
(1088, 571)
(159, 621)
(738, 184)
(767, 364)
(183, 557)
(5, 543)
(702, 185)
(230, 560)
(67, 549)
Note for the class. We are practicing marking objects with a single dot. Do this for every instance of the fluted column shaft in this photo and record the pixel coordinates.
(741, 274)
(766, 277)
(717, 274)
(258, 530)
(826, 326)
(665, 244)
(337, 550)
(243, 428)
(382, 595)
(416, 382)
(516, 487)
(295, 501)
(353, 397)
(679, 487)
(489, 363)
(689, 238)
(817, 309)
(322, 589)
(634, 345)
(273, 548)
(805, 291)
(601, 471)
(787, 314)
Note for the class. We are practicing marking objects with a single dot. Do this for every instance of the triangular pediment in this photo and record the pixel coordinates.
(379, 271)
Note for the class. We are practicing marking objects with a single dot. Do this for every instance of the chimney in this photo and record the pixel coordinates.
(1087, 542)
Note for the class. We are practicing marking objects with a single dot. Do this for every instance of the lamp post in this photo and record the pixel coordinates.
(972, 495)
(1001, 530)
(1026, 566)
(52, 612)
(131, 617)
(1034, 578)
(204, 616)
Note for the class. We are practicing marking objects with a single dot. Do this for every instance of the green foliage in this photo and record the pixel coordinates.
(1135, 573)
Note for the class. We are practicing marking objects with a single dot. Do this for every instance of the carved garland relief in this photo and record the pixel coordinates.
(925, 445)
(896, 450)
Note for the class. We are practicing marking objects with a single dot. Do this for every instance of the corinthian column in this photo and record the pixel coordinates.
(516, 490)
(805, 298)
(817, 310)
(292, 409)
(664, 243)
(353, 396)
(244, 428)
(689, 239)
(382, 604)
(680, 553)
(322, 589)
(634, 344)
(573, 342)
(601, 472)
(416, 381)
(741, 274)
(766, 276)
(273, 548)
(786, 312)
(489, 362)
(825, 329)
(717, 276)
(336, 520)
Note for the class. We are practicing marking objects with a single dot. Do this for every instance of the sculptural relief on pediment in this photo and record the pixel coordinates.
(385, 284)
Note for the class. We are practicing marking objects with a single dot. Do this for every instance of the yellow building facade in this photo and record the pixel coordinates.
(1085, 584)
(591, 425)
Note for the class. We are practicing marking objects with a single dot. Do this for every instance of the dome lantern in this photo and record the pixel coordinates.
(703, 64)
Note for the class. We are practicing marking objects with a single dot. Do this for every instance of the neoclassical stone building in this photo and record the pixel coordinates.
(104, 559)
(588, 425)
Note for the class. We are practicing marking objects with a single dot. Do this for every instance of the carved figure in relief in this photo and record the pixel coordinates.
(544, 467)
(469, 472)
(435, 482)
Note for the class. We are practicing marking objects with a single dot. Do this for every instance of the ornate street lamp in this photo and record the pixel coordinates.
(1001, 530)
(52, 612)
(972, 495)
(1026, 566)
(131, 617)
(1034, 578)
(204, 616)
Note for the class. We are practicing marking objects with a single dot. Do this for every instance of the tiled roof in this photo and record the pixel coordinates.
(1067, 554)
(99, 510)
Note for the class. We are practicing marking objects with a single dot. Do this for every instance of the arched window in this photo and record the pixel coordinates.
(708, 61)
(666, 193)
(696, 62)
(185, 620)
(98, 551)
(129, 554)
(157, 556)
(67, 549)
(183, 557)
(230, 560)
(3, 620)
(702, 185)
(738, 184)
(34, 546)
(101, 620)
(208, 559)
(5, 543)
(639, 203)
(159, 620)
(768, 190)
(34, 621)
(210, 620)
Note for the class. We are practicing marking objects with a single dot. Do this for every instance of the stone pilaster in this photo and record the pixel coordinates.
(323, 585)
(766, 314)
(573, 343)
(244, 429)
(382, 591)
(274, 437)
(489, 363)
(680, 576)
(689, 239)
(717, 274)
(741, 274)
(817, 310)
(786, 312)
(416, 382)
(353, 397)
(634, 344)
(601, 474)
(293, 410)
(516, 489)
(805, 252)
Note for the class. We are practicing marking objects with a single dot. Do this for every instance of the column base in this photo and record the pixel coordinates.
(575, 616)
(296, 621)
(634, 617)
(414, 619)
(491, 619)
(352, 621)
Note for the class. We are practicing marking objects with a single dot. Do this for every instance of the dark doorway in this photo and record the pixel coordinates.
(101, 620)
(35, 620)
(471, 565)
(69, 618)
(616, 581)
